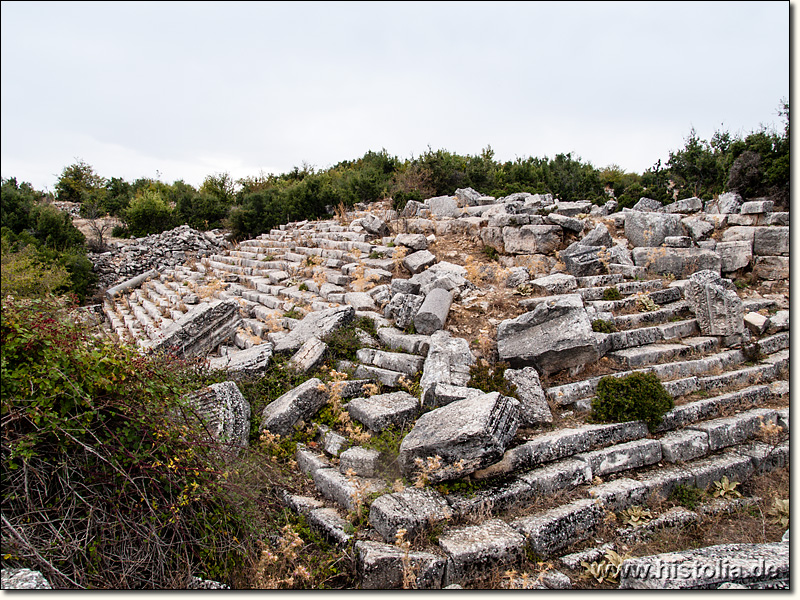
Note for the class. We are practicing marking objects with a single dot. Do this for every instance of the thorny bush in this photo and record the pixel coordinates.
(109, 478)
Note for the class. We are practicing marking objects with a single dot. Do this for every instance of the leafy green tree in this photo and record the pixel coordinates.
(148, 213)
(76, 180)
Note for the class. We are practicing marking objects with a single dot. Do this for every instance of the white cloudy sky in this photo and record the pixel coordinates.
(191, 89)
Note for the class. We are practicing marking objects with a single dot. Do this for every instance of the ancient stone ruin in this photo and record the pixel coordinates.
(542, 478)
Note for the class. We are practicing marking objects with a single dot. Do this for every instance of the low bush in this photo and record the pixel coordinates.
(109, 479)
(638, 396)
(490, 378)
(603, 326)
(611, 293)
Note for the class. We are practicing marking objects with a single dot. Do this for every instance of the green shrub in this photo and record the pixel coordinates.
(105, 463)
(638, 396)
(687, 496)
(343, 343)
(490, 378)
(490, 253)
(303, 287)
(611, 293)
(603, 326)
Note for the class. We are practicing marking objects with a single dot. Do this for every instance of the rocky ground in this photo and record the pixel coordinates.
(565, 293)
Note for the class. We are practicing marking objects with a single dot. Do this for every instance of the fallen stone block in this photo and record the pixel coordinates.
(418, 261)
(680, 262)
(727, 203)
(226, 414)
(474, 552)
(200, 330)
(309, 355)
(244, 363)
(648, 229)
(685, 206)
(448, 361)
(374, 225)
(315, 324)
(734, 255)
(553, 336)
(384, 410)
(433, 312)
(534, 409)
(413, 509)
(467, 435)
(395, 339)
(442, 394)
(717, 307)
(301, 403)
(532, 239)
(774, 268)
(386, 566)
(348, 492)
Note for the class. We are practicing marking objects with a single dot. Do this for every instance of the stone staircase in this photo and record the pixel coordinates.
(549, 490)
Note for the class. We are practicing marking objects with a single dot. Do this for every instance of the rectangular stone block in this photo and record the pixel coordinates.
(474, 552)
(622, 457)
(554, 530)
(684, 445)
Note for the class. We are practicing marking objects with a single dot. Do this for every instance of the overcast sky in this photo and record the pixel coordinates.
(185, 90)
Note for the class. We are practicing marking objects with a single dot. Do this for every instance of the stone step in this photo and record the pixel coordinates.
(650, 354)
(629, 338)
(625, 289)
(659, 296)
(679, 309)
(692, 412)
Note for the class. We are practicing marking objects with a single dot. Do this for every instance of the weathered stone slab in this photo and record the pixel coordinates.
(244, 363)
(707, 568)
(756, 323)
(382, 566)
(534, 409)
(226, 413)
(599, 236)
(648, 229)
(771, 241)
(561, 475)
(442, 394)
(558, 283)
(708, 407)
(585, 261)
(622, 457)
(728, 431)
(413, 509)
(361, 461)
(698, 229)
(315, 324)
(685, 206)
(532, 239)
(309, 355)
(201, 329)
(620, 493)
(432, 314)
(553, 336)
(330, 524)
(566, 223)
(395, 339)
(473, 552)
(384, 410)
(443, 206)
(684, 445)
(554, 530)
(374, 225)
(727, 203)
(680, 262)
(309, 461)
(415, 241)
(301, 403)
(359, 301)
(734, 255)
(418, 261)
(467, 435)
(717, 307)
(24, 579)
(449, 360)
(348, 492)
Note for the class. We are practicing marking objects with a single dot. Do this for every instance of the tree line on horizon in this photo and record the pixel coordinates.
(754, 165)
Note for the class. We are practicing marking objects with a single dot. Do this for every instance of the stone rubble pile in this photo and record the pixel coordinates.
(159, 251)
(676, 315)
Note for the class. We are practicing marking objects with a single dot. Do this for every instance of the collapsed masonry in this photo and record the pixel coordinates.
(678, 316)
